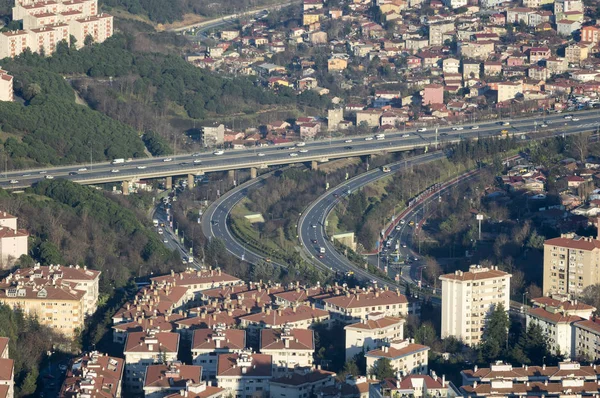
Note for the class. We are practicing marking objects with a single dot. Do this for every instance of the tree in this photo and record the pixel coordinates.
(382, 369)
(431, 271)
(533, 347)
(495, 335)
(425, 334)
(580, 144)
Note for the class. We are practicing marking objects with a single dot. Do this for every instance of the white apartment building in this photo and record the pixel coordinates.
(288, 348)
(244, 374)
(208, 344)
(469, 297)
(556, 318)
(144, 349)
(371, 333)
(587, 339)
(13, 241)
(352, 306)
(6, 86)
(405, 356)
(98, 27)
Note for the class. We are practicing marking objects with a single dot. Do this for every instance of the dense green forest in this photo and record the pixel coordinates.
(52, 129)
(74, 224)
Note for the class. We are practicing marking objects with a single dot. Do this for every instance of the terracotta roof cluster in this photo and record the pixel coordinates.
(219, 338)
(244, 363)
(366, 298)
(152, 300)
(574, 242)
(398, 349)
(562, 305)
(553, 317)
(377, 323)
(191, 277)
(289, 315)
(172, 375)
(412, 382)
(299, 378)
(525, 373)
(93, 373)
(200, 390)
(210, 317)
(287, 339)
(152, 342)
(163, 323)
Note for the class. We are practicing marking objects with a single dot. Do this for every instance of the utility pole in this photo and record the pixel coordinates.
(479, 219)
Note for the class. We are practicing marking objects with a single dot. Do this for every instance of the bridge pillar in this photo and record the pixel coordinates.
(190, 181)
(314, 165)
(231, 175)
(169, 182)
(253, 172)
(125, 187)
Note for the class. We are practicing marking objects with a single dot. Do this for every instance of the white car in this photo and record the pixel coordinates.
(301, 144)
(506, 124)
(14, 181)
(405, 135)
(196, 154)
(218, 153)
(167, 160)
(422, 129)
(369, 139)
(475, 128)
(141, 167)
(575, 119)
(457, 128)
(197, 161)
(26, 175)
(402, 222)
(568, 117)
(303, 150)
(115, 170)
(260, 154)
(82, 169)
(293, 154)
(43, 172)
(49, 177)
(348, 141)
(543, 125)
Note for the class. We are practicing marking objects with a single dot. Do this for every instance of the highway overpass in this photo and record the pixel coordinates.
(312, 153)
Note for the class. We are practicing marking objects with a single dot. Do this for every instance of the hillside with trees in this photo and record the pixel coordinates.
(74, 224)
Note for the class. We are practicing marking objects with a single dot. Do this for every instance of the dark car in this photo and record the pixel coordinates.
(347, 147)
(73, 173)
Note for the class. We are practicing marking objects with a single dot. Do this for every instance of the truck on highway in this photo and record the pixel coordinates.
(322, 250)
(155, 222)
(117, 161)
(380, 137)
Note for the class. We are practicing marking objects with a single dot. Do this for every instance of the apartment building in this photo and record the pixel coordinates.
(557, 319)
(13, 241)
(524, 374)
(405, 356)
(352, 306)
(372, 333)
(7, 371)
(469, 297)
(509, 90)
(7, 94)
(571, 263)
(288, 348)
(208, 344)
(169, 378)
(244, 374)
(161, 323)
(437, 30)
(143, 349)
(587, 339)
(151, 301)
(213, 135)
(300, 383)
(200, 390)
(93, 375)
(81, 278)
(60, 307)
(300, 317)
(97, 27)
(298, 295)
(196, 281)
(13, 43)
(418, 386)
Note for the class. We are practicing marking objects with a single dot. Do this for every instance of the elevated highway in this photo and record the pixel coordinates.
(312, 153)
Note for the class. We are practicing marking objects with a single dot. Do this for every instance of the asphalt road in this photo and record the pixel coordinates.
(320, 150)
(214, 220)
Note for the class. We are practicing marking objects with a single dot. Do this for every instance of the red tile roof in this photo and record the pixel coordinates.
(298, 339)
(233, 365)
(157, 342)
(231, 339)
(172, 375)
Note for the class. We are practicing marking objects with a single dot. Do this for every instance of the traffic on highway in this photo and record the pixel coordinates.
(319, 151)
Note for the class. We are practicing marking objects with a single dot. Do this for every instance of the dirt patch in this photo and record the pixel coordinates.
(188, 19)
(338, 164)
